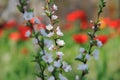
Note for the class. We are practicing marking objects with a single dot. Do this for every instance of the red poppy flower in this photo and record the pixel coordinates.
(103, 38)
(80, 38)
(10, 24)
(23, 29)
(114, 24)
(14, 36)
(78, 14)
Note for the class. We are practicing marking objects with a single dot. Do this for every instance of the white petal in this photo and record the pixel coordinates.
(82, 50)
(50, 68)
(60, 42)
(28, 15)
(49, 27)
(51, 78)
(62, 77)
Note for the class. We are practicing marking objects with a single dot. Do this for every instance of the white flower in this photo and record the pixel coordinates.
(54, 17)
(76, 77)
(59, 33)
(28, 33)
(60, 42)
(28, 15)
(87, 56)
(99, 43)
(35, 41)
(50, 34)
(51, 78)
(51, 47)
(62, 77)
(49, 27)
(48, 43)
(79, 56)
(66, 67)
(82, 67)
(60, 54)
(42, 31)
(96, 54)
(57, 63)
(50, 68)
(55, 7)
(82, 50)
(47, 58)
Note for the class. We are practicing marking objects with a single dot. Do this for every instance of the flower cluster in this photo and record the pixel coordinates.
(85, 54)
(46, 41)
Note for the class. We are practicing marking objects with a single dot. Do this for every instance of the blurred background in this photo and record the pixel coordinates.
(16, 50)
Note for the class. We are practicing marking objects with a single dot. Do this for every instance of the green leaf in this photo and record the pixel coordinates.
(20, 8)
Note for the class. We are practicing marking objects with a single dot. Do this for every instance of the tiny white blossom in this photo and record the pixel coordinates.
(66, 67)
(49, 27)
(50, 68)
(51, 78)
(96, 54)
(47, 58)
(76, 77)
(87, 56)
(42, 32)
(59, 32)
(55, 7)
(51, 47)
(28, 33)
(82, 67)
(60, 42)
(28, 15)
(79, 56)
(82, 50)
(61, 77)
(54, 17)
(50, 34)
(99, 43)
(60, 54)
(57, 63)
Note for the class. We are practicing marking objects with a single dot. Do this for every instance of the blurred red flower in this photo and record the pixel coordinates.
(14, 36)
(114, 24)
(84, 25)
(10, 24)
(23, 29)
(1, 32)
(103, 38)
(77, 14)
(80, 38)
